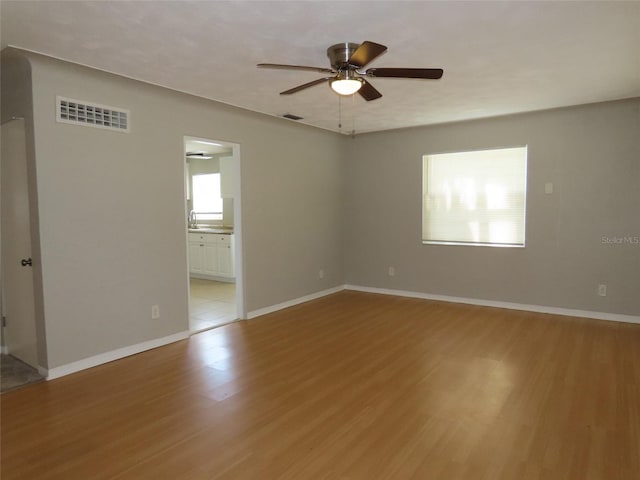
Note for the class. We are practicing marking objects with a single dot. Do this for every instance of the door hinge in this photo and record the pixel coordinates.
(4, 321)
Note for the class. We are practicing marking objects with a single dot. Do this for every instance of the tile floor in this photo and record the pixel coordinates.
(211, 304)
(16, 374)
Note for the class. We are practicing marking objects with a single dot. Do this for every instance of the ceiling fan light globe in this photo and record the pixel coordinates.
(346, 86)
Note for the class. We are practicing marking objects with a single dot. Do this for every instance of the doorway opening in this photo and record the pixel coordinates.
(214, 233)
(19, 339)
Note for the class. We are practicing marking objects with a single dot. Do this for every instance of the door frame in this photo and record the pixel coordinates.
(25, 334)
(241, 308)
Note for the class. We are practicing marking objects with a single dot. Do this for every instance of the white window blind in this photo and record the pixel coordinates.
(475, 198)
(207, 201)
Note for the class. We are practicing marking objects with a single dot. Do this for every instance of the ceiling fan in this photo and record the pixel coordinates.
(347, 78)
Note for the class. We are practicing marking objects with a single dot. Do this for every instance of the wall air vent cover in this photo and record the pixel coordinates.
(79, 112)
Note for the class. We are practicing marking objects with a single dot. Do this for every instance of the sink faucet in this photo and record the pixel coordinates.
(193, 219)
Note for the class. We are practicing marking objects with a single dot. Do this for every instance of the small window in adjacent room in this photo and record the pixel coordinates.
(207, 200)
(475, 198)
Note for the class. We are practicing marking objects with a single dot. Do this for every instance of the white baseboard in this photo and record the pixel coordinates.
(613, 317)
(141, 347)
(295, 301)
(106, 357)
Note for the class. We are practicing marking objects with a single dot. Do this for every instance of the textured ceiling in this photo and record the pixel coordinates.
(498, 57)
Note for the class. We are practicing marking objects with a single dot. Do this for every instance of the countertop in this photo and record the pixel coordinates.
(218, 230)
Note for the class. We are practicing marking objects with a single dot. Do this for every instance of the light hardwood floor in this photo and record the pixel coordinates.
(351, 386)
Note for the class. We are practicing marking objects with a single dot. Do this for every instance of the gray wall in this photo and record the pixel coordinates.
(591, 154)
(112, 212)
(111, 226)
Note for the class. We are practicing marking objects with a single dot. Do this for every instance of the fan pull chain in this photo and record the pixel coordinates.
(353, 115)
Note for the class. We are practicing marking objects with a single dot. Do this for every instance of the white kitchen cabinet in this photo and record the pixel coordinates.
(196, 258)
(203, 256)
(225, 255)
(210, 259)
(226, 177)
(211, 255)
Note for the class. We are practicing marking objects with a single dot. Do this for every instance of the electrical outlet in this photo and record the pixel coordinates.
(320, 273)
(155, 312)
(392, 271)
(602, 290)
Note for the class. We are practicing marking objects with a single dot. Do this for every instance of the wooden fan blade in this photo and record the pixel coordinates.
(279, 66)
(306, 85)
(425, 73)
(365, 53)
(368, 92)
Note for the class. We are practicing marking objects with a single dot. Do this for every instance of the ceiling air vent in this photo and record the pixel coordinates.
(291, 116)
(79, 112)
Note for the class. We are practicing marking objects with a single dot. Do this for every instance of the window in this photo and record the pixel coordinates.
(475, 198)
(207, 201)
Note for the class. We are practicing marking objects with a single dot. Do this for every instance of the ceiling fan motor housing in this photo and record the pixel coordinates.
(339, 55)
